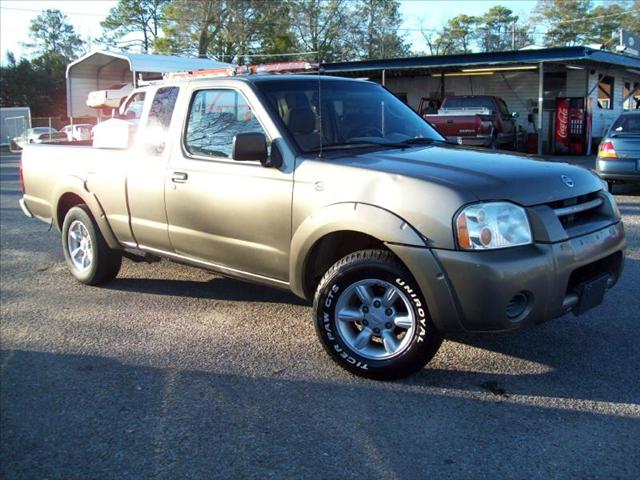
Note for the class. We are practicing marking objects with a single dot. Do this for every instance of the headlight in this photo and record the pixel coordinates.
(486, 226)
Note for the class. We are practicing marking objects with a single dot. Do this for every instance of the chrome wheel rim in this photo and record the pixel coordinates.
(79, 246)
(375, 319)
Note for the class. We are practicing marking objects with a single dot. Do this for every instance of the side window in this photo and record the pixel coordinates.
(162, 107)
(133, 110)
(215, 117)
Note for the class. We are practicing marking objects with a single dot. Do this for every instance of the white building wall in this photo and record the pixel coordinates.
(520, 91)
(603, 118)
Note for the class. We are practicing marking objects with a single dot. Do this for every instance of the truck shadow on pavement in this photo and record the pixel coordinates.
(84, 416)
(218, 288)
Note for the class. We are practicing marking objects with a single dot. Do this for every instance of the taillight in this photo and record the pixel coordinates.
(21, 175)
(606, 150)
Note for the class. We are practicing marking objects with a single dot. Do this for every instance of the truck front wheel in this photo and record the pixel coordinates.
(88, 256)
(372, 318)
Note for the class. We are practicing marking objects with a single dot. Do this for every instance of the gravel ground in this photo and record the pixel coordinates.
(171, 372)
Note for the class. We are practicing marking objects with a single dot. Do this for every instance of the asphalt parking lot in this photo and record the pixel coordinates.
(171, 372)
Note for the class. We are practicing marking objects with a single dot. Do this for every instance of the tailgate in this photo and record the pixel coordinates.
(455, 125)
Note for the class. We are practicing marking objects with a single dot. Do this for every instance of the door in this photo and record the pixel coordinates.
(148, 169)
(220, 211)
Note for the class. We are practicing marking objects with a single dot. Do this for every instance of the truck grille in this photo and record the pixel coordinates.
(578, 211)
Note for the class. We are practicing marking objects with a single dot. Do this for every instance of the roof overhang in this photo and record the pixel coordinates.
(512, 57)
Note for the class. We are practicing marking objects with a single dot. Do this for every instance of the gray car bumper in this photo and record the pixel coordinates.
(627, 170)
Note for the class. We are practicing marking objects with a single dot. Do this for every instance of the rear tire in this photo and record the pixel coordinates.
(88, 256)
(372, 318)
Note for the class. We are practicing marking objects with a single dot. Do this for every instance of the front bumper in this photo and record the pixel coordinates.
(472, 291)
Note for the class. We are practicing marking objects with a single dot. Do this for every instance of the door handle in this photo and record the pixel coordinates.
(179, 177)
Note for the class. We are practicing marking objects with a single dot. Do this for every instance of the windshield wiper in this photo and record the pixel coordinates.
(363, 143)
(357, 143)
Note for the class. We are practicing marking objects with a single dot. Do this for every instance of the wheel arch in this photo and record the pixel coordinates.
(72, 194)
(337, 230)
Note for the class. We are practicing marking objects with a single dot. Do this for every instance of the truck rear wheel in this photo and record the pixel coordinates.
(372, 318)
(88, 256)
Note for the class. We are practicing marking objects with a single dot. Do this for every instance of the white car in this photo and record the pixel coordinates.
(37, 135)
(110, 98)
(79, 132)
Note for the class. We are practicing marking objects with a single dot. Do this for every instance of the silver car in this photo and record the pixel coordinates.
(37, 135)
(618, 158)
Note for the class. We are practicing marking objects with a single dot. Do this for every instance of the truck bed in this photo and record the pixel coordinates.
(46, 168)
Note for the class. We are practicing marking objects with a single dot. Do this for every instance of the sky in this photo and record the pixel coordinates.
(86, 15)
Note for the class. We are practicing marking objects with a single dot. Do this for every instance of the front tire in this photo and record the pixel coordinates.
(88, 256)
(372, 318)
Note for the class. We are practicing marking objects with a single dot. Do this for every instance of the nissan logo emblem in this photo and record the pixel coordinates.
(567, 181)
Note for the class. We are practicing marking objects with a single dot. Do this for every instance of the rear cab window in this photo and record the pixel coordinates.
(134, 106)
(161, 110)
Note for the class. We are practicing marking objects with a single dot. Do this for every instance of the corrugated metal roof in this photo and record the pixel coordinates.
(143, 63)
(564, 54)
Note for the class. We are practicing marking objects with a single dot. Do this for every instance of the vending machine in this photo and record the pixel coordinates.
(573, 125)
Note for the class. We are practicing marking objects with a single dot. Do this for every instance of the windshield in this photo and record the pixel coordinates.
(626, 124)
(44, 130)
(345, 114)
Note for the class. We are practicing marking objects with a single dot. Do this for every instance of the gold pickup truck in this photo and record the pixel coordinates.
(334, 189)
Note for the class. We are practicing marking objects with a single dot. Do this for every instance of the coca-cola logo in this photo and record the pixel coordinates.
(563, 122)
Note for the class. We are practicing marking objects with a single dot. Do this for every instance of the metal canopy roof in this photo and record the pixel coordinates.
(564, 54)
(142, 63)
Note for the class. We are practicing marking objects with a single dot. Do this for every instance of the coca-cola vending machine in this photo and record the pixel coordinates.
(573, 125)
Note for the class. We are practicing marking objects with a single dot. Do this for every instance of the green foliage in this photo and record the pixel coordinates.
(567, 21)
(377, 25)
(38, 84)
(460, 31)
(258, 30)
(631, 22)
(498, 30)
(134, 24)
(605, 21)
(51, 32)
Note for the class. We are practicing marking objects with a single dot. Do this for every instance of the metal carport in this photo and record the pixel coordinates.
(100, 69)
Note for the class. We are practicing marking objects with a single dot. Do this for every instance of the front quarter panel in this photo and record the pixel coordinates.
(350, 216)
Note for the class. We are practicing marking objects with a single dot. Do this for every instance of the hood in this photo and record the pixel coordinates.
(488, 175)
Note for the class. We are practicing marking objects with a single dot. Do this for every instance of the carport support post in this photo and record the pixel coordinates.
(540, 104)
(384, 77)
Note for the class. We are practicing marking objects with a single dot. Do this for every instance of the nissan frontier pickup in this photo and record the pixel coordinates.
(337, 191)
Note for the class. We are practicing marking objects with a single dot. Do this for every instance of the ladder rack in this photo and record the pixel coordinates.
(275, 68)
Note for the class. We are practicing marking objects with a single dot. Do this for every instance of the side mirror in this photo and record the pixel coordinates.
(515, 115)
(250, 147)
